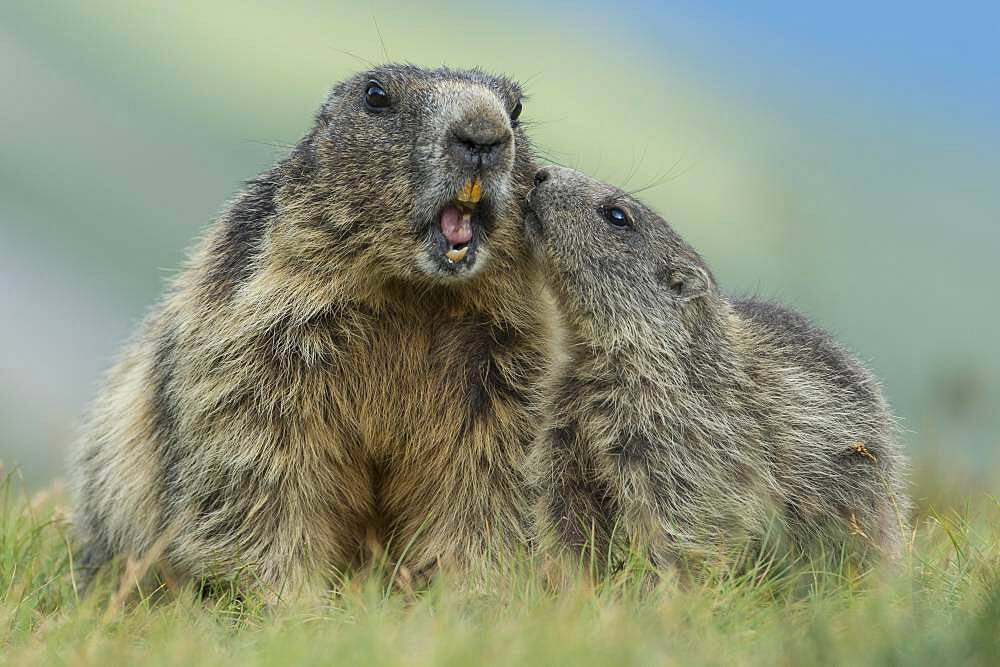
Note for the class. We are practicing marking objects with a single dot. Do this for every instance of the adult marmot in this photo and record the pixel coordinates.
(354, 353)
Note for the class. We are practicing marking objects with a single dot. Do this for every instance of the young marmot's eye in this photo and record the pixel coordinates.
(515, 113)
(376, 99)
(616, 216)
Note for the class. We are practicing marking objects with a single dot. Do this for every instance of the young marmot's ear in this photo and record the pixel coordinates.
(685, 282)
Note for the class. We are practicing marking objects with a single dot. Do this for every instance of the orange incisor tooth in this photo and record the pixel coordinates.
(471, 192)
(456, 254)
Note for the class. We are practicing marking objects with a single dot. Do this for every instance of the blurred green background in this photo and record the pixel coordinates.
(844, 160)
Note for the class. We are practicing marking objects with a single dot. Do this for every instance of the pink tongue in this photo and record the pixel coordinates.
(456, 227)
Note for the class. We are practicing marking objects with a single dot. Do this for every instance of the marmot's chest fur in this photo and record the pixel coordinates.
(426, 378)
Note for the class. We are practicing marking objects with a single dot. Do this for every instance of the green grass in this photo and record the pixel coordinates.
(943, 607)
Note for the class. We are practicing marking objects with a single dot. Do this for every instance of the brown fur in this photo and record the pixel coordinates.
(689, 425)
(319, 377)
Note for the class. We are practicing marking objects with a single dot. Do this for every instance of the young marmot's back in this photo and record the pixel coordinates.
(690, 424)
(352, 359)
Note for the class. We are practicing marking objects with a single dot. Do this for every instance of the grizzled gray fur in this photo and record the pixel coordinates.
(688, 424)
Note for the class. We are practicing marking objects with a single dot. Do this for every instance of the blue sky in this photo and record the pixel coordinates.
(941, 60)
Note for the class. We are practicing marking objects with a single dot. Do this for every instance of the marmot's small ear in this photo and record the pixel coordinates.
(685, 283)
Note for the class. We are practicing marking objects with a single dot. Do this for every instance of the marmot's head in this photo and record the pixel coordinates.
(615, 266)
(414, 174)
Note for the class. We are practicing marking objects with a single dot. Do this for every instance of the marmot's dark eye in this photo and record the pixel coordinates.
(616, 216)
(515, 113)
(376, 99)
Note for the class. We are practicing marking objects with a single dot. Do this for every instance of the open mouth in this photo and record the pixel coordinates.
(456, 234)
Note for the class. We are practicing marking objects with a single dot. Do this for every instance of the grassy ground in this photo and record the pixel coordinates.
(943, 608)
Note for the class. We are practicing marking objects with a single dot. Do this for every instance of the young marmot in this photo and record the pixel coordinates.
(688, 424)
(351, 362)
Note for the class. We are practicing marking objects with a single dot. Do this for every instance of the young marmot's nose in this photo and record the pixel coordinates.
(480, 145)
(541, 176)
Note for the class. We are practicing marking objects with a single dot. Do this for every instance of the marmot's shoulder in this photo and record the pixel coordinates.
(802, 340)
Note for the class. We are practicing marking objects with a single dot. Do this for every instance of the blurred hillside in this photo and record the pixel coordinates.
(846, 163)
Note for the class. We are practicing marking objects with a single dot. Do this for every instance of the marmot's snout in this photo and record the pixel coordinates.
(549, 185)
(533, 218)
(478, 160)
(480, 140)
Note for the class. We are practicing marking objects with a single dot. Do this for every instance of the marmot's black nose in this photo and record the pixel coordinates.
(479, 145)
(541, 176)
